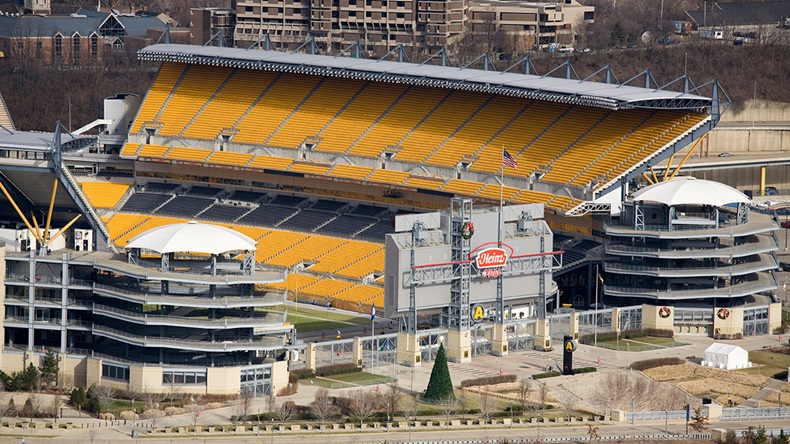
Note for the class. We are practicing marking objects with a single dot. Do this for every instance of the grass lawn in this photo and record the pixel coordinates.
(350, 380)
(645, 343)
(317, 319)
(770, 362)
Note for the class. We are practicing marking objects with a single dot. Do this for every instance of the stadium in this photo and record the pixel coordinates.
(458, 202)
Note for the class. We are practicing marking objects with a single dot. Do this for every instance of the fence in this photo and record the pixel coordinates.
(737, 413)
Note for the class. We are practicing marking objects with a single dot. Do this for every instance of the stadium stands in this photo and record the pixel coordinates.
(224, 213)
(314, 247)
(230, 158)
(277, 103)
(153, 151)
(307, 220)
(350, 171)
(315, 113)
(277, 242)
(459, 107)
(359, 116)
(367, 210)
(195, 89)
(267, 216)
(166, 79)
(398, 121)
(182, 206)
(201, 191)
(188, 154)
(345, 255)
(327, 205)
(346, 225)
(104, 194)
(159, 187)
(145, 202)
(245, 196)
(229, 104)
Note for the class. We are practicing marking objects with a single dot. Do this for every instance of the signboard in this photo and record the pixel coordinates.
(491, 258)
(478, 313)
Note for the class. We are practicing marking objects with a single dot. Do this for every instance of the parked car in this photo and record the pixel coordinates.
(725, 154)
(785, 266)
(771, 191)
(748, 194)
(785, 224)
(566, 48)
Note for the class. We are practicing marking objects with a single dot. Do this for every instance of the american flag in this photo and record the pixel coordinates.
(372, 312)
(508, 160)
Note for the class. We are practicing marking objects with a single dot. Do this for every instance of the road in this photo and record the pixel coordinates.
(463, 433)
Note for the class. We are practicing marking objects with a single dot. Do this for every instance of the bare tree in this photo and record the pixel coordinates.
(286, 411)
(612, 391)
(568, 401)
(536, 408)
(55, 406)
(271, 401)
(523, 393)
(322, 406)
(246, 396)
(392, 397)
(151, 400)
(463, 402)
(698, 422)
(104, 394)
(4, 407)
(195, 409)
(410, 407)
(448, 406)
(487, 405)
(363, 403)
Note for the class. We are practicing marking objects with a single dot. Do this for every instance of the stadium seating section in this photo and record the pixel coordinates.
(104, 194)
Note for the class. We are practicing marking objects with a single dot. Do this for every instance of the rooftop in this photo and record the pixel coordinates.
(579, 92)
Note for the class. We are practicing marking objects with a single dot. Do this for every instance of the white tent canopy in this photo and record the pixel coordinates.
(688, 190)
(193, 237)
(726, 356)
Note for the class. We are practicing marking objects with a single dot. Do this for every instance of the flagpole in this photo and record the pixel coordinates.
(372, 334)
(595, 324)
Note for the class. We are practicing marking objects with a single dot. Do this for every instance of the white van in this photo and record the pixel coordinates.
(566, 48)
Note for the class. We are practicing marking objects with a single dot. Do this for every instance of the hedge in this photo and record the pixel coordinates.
(607, 336)
(337, 369)
(546, 375)
(657, 362)
(584, 370)
(490, 380)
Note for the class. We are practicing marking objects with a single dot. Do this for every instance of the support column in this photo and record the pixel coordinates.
(616, 319)
(64, 301)
(357, 351)
(542, 335)
(774, 316)
(459, 346)
(661, 317)
(762, 181)
(574, 321)
(728, 322)
(499, 344)
(309, 355)
(409, 349)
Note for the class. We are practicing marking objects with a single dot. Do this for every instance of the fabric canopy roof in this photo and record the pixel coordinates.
(689, 190)
(726, 356)
(194, 237)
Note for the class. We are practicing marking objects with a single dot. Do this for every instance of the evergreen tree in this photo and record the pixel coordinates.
(49, 367)
(761, 437)
(783, 437)
(78, 398)
(28, 378)
(440, 386)
(11, 408)
(698, 422)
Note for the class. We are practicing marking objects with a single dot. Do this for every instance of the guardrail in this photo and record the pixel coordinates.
(739, 413)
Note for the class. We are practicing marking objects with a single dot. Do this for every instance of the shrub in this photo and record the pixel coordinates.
(584, 370)
(546, 375)
(657, 362)
(304, 373)
(782, 376)
(337, 369)
(490, 380)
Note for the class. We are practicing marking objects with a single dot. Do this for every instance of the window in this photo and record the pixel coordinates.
(183, 377)
(75, 52)
(94, 46)
(58, 47)
(115, 371)
(20, 45)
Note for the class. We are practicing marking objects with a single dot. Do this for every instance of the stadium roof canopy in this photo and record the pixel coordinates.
(691, 191)
(578, 92)
(192, 237)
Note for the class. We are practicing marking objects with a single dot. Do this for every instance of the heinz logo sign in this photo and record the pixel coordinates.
(491, 257)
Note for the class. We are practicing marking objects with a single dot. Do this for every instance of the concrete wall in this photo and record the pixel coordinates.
(742, 137)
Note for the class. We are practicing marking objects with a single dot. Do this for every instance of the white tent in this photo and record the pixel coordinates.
(726, 356)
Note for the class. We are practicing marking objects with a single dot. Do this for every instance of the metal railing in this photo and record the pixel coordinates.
(738, 413)
(266, 343)
(148, 319)
(157, 298)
